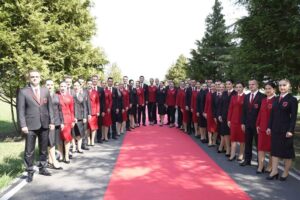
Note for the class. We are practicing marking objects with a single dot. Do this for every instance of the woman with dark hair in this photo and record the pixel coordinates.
(264, 140)
(170, 102)
(125, 95)
(118, 105)
(282, 129)
(234, 122)
(107, 119)
(161, 102)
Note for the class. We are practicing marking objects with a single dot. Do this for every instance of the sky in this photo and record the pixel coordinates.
(145, 37)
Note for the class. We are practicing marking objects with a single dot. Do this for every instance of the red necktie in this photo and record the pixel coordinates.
(37, 95)
(280, 98)
(252, 98)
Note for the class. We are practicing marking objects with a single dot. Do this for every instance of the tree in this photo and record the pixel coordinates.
(115, 72)
(51, 36)
(177, 72)
(270, 40)
(211, 58)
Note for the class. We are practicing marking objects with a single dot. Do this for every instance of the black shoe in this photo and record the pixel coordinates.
(85, 148)
(100, 141)
(283, 178)
(70, 156)
(44, 172)
(67, 161)
(232, 159)
(115, 138)
(273, 177)
(80, 152)
(227, 155)
(219, 151)
(260, 172)
(245, 163)
(29, 177)
(144, 124)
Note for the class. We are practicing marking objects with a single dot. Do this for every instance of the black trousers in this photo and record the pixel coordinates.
(142, 114)
(189, 122)
(31, 136)
(99, 131)
(250, 134)
(152, 111)
(180, 117)
(171, 114)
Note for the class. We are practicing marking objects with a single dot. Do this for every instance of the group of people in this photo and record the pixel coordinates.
(79, 113)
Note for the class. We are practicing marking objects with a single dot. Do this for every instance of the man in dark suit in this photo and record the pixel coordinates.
(251, 106)
(126, 87)
(188, 100)
(146, 95)
(35, 112)
(115, 111)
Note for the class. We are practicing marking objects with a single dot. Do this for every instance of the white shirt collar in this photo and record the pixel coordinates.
(241, 94)
(35, 87)
(230, 90)
(283, 95)
(254, 93)
(271, 96)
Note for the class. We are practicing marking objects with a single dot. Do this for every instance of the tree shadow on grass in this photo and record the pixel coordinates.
(8, 132)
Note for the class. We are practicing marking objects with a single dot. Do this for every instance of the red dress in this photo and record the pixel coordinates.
(264, 140)
(180, 102)
(108, 105)
(194, 106)
(67, 107)
(95, 109)
(234, 116)
(211, 124)
(125, 95)
(152, 93)
(171, 97)
(141, 97)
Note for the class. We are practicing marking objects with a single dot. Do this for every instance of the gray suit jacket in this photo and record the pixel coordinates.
(80, 106)
(57, 112)
(34, 113)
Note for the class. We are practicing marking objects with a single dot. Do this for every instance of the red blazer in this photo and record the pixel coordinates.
(180, 98)
(194, 100)
(67, 107)
(171, 97)
(94, 101)
(141, 96)
(264, 113)
(152, 93)
(208, 105)
(108, 99)
(235, 110)
(125, 94)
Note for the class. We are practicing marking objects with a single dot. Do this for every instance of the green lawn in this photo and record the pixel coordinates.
(11, 161)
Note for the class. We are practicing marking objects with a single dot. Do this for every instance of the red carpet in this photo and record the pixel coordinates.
(159, 163)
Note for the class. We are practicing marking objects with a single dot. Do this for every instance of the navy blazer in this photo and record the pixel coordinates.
(201, 96)
(161, 96)
(250, 112)
(284, 114)
(188, 97)
(133, 98)
(101, 99)
(224, 104)
(216, 103)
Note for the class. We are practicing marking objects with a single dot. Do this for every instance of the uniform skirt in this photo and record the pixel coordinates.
(195, 118)
(281, 146)
(124, 116)
(118, 117)
(202, 122)
(211, 124)
(132, 110)
(224, 129)
(79, 129)
(65, 134)
(236, 133)
(93, 123)
(162, 109)
(54, 137)
(264, 142)
(107, 121)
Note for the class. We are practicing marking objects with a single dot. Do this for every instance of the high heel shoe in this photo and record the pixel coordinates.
(232, 159)
(273, 177)
(283, 178)
(227, 155)
(260, 172)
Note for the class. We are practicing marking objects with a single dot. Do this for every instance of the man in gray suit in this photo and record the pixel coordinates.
(34, 107)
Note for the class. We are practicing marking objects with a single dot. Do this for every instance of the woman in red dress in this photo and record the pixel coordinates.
(152, 102)
(234, 122)
(67, 106)
(208, 114)
(107, 121)
(125, 95)
(264, 140)
(141, 100)
(195, 114)
(94, 112)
